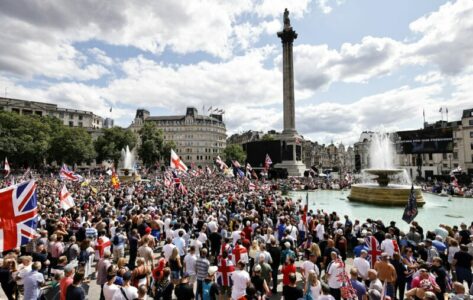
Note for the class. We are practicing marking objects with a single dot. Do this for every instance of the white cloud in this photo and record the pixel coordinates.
(274, 8)
(101, 56)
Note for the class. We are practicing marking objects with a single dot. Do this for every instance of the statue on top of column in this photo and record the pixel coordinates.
(287, 22)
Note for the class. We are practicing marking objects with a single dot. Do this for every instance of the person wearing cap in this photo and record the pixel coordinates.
(184, 290)
(163, 288)
(386, 273)
(209, 287)
(260, 285)
(287, 252)
(127, 291)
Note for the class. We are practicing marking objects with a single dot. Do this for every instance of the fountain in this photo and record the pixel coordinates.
(128, 173)
(377, 187)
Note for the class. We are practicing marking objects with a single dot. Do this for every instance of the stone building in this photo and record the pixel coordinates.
(361, 151)
(331, 157)
(69, 117)
(198, 138)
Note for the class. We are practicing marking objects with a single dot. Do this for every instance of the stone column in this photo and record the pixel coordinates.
(287, 36)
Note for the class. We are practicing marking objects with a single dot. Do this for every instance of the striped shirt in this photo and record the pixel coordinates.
(202, 268)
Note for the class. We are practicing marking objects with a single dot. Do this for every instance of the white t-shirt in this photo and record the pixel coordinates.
(236, 236)
(189, 261)
(130, 291)
(167, 249)
(333, 271)
(109, 291)
(316, 290)
(320, 229)
(198, 245)
(308, 266)
(240, 282)
(388, 246)
(363, 266)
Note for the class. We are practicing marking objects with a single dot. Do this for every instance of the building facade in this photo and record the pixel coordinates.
(69, 117)
(330, 157)
(199, 139)
(361, 151)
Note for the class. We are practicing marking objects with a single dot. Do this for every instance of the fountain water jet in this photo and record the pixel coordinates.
(128, 173)
(382, 166)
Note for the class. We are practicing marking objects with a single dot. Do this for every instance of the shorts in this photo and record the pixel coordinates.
(175, 275)
(226, 290)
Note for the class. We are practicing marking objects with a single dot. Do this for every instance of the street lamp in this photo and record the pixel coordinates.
(450, 158)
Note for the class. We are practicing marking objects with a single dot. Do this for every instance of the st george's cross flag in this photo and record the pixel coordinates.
(65, 198)
(176, 162)
(374, 250)
(6, 168)
(69, 175)
(18, 216)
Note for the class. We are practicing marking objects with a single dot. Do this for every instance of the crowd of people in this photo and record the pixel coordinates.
(209, 237)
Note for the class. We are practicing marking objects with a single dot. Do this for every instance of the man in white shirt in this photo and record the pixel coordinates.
(167, 249)
(236, 235)
(388, 245)
(320, 230)
(333, 272)
(307, 266)
(241, 280)
(180, 244)
(362, 265)
(189, 264)
(127, 291)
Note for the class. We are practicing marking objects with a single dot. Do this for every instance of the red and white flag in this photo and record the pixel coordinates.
(267, 162)
(176, 162)
(65, 198)
(6, 168)
(221, 164)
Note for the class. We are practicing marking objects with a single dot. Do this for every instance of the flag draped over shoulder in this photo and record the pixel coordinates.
(410, 212)
(18, 216)
(65, 198)
(176, 162)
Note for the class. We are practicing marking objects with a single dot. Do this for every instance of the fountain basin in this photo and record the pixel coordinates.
(391, 195)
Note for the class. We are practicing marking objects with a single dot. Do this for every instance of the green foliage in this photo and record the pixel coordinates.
(109, 145)
(267, 137)
(25, 140)
(150, 150)
(72, 145)
(234, 152)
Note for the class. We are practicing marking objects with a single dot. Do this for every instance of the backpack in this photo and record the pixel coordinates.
(115, 240)
(206, 290)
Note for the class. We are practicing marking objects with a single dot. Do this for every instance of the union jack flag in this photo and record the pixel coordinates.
(267, 162)
(225, 272)
(18, 216)
(410, 212)
(347, 290)
(67, 174)
(374, 250)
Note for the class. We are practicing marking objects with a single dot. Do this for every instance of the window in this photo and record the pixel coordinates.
(430, 156)
(471, 146)
(80, 118)
(71, 116)
(455, 165)
(445, 165)
(71, 124)
(15, 110)
(455, 155)
(471, 134)
(80, 124)
(470, 122)
(61, 115)
(444, 155)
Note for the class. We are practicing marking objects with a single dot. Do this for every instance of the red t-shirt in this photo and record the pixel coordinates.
(286, 270)
(63, 284)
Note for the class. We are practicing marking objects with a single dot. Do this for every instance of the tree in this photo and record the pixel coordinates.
(151, 148)
(267, 137)
(26, 139)
(234, 152)
(166, 152)
(72, 145)
(113, 140)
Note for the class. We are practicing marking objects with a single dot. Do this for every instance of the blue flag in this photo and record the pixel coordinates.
(410, 212)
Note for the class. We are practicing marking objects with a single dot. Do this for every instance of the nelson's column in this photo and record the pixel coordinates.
(291, 141)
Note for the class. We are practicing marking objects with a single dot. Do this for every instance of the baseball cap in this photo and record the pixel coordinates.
(212, 270)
